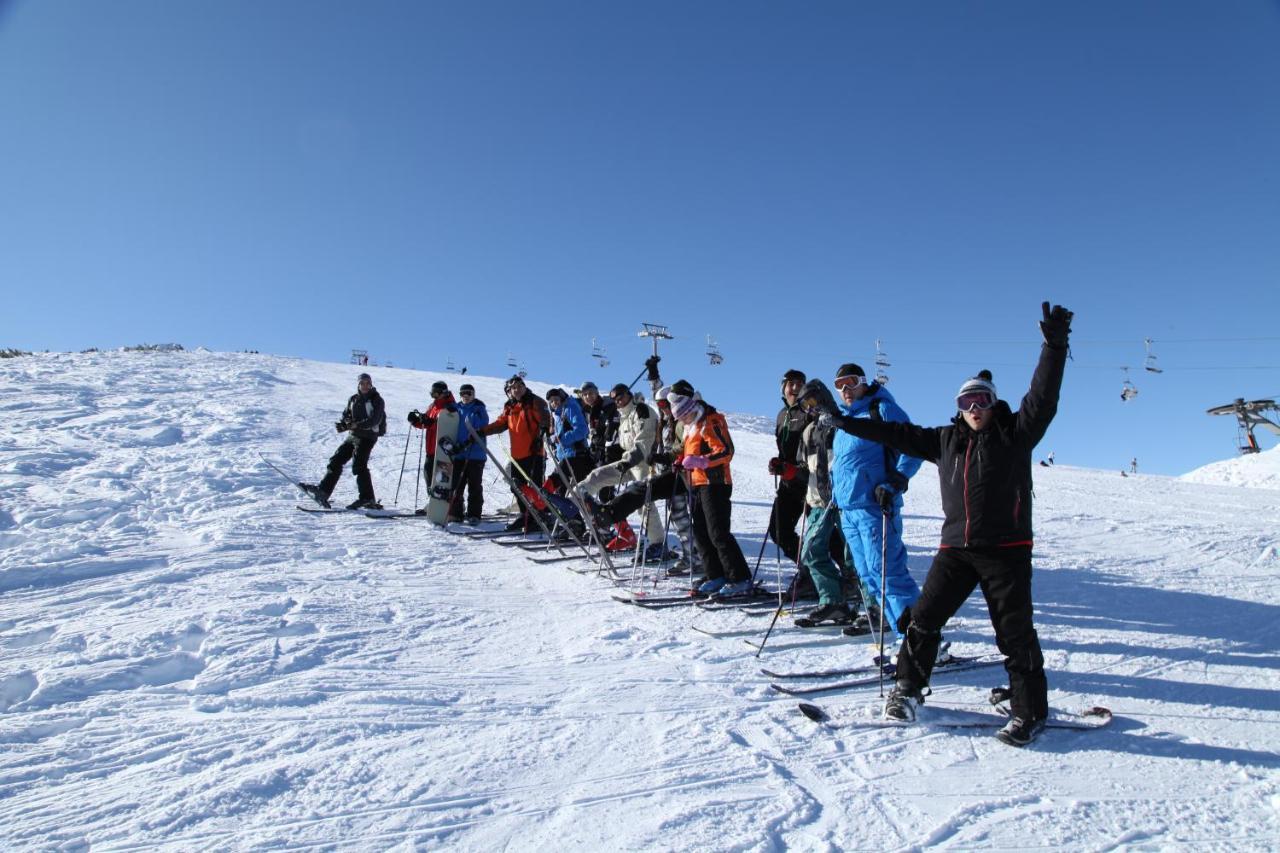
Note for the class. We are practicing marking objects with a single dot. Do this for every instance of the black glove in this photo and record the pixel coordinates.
(451, 408)
(816, 395)
(461, 449)
(661, 458)
(651, 365)
(415, 418)
(341, 426)
(899, 482)
(885, 494)
(1056, 325)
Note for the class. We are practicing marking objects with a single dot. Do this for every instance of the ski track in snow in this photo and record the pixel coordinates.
(188, 661)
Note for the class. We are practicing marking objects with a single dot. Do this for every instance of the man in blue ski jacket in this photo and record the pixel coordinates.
(867, 482)
(569, 433)
(468, 467)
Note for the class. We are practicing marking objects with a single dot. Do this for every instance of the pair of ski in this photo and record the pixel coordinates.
(863, 676)
(658, 601)
(953, 717)
(323, 509)
(365, 511)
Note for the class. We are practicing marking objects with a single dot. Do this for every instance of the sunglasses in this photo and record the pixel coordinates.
(850, 382)
(981, 400)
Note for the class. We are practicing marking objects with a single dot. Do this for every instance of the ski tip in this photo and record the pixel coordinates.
(1097, 712)
(813, 712)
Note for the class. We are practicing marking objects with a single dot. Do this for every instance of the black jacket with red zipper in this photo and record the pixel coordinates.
(985, 476)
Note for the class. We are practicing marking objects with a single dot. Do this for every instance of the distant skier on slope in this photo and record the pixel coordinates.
(364, 420)
(984, 472)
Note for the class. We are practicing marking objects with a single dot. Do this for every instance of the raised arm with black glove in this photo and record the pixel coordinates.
(1056, 325)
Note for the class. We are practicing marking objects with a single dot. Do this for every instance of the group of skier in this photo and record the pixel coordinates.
(843, 465)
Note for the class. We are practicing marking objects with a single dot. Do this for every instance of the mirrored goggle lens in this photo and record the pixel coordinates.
(975, 400)
(850, 382)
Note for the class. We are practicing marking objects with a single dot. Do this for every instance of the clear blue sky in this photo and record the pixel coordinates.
(434, 180)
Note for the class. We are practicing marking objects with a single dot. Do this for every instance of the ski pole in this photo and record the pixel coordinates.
(795, 585)
(666, 528)
(884, 551)
(772, 523)
(404, 457)
(417, 481)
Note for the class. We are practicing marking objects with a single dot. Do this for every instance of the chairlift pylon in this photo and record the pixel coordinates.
(1249, 415)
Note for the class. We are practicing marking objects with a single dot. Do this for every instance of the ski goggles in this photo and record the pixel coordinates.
(981, 400)
(853, 381)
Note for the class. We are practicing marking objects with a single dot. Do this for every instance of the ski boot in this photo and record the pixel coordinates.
(827, 614)
(730, 590)
(625, 539)
(901, 703)
(316, 494)
(364, 503)
(1020, 731)
(711, 586)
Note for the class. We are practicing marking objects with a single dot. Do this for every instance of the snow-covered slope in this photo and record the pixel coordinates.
(1253, 470)
(188, 661)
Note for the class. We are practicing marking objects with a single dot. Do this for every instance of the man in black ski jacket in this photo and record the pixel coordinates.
(793, 477)
(984, 471)
(364, 420)
(602, 420)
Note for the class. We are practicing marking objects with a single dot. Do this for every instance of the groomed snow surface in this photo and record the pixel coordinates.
(187, 661)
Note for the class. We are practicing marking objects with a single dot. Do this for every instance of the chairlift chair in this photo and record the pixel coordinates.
(882, 365)
(713, 352)
(1150, 365)
(599, 354)
(1128, 390)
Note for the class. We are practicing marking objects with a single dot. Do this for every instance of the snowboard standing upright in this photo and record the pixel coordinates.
(440, 492)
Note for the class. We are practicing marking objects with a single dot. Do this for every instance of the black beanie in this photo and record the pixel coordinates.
(466, 386)
(850, 369)
(439, 387)
(683, 388)
(797, 375)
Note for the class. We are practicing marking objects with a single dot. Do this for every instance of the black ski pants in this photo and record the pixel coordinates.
(1005, 577)
(468, 474)
(427, 468)
(788, 507)
(663, 487)
(721, 554)
(579, 465)
(536, 468)
(357, 448)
